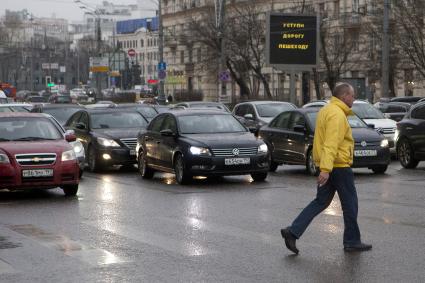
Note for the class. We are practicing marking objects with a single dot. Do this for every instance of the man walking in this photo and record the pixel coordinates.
(333, 153)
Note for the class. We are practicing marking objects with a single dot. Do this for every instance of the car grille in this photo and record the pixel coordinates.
(130, 142)
(36, 158)
(228, 152)
(388, 130)
(358, 145)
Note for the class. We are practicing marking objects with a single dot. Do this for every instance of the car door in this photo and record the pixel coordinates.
(168, 143)
(297, 138)
(151, 140)
(277, 136)
(417, 129)
(84, 135)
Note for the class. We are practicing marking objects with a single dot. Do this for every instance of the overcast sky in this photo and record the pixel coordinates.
(66, 9)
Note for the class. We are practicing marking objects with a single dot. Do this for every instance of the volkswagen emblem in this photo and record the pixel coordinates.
(235, 151)
(363, 143)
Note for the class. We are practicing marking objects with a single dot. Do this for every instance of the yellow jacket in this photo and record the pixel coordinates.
(333, 141)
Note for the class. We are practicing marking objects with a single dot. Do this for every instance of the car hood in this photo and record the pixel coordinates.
(223, 140)
(119, 133)
(44, 146)
(366, 134)
(381, 123)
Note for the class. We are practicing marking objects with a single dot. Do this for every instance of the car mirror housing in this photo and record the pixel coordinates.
(249, 116)
(299, 128)
(70, 136)
(80, 126)
(371, 126)
(168, 133)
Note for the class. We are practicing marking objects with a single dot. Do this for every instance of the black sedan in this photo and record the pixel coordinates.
(109, 136)
(290, 140)
(410, 137)
(200, 142)
(61, 112)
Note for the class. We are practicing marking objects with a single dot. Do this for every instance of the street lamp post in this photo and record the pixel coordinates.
(161, 94)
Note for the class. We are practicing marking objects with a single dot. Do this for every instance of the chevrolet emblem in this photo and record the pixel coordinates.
(35, 159)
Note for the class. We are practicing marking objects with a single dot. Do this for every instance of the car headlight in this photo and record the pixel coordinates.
(262, 148)
(384, 143)
(107, 142)
(196, 150)
(68, 155)
(396, 133)
(78, 148)
(4, 159)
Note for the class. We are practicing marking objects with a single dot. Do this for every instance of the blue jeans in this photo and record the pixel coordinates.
(340, 180)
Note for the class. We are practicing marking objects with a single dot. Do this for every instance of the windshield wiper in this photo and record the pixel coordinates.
(32, 139)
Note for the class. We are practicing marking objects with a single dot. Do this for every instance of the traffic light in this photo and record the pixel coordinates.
(48, 81)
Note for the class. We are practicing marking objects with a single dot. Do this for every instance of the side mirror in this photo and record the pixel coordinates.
(70, 136)
(299, 129)
(252, 129)
(80, 126)
(249, 116)
(372, 126)
(168, 133)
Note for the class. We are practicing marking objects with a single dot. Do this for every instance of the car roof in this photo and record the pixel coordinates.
(15, 104)
(108, 110)
(257, 102)
(196, 111)
(62, 105)
(21, 114)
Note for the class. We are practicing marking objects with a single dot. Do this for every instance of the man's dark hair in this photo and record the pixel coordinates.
(340, 89)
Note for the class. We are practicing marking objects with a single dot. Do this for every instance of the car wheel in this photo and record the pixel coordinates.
(310, 166)
(70, 190)
(405, 154)
(182, 177)
(93, 163)
(272, 164)
(259, 177)
(80, 174)
(379, 169)
(145, 171)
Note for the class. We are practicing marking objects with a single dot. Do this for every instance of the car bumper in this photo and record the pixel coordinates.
(383, 157)
(65, 173)
(209, 166)
(116, 156)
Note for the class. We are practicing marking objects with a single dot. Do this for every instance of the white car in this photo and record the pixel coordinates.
(371, 116)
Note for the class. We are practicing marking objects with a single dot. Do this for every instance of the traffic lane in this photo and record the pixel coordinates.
(227, 229)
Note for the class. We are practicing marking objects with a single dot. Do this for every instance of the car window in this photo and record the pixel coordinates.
(74, 120)
(209, 124)
(240, 110)
(419, 112)
(61, 114)
(297, 119)
(353, 120)
(156, 123)
(148, 112)
(272, 109)
(84, 119)
(169, 124)
(250, 110)
(5, 109)
(395, 108)
(281, 121)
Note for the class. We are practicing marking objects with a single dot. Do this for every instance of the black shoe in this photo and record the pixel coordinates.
(358, 248)
(289, 240)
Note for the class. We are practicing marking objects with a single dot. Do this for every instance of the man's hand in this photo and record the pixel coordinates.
(322, 178)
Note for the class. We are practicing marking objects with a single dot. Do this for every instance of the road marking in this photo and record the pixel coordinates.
(186, 248)
(69, 247)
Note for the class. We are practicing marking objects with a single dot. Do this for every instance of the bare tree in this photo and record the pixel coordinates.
(409, 15)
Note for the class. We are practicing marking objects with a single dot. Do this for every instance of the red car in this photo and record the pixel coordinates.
(34, 154)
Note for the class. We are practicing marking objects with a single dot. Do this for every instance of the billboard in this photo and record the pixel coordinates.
(292, 41)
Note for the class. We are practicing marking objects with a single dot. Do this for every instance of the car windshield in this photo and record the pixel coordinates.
(367, 111)
(63, 99)
(208, 124)
(28, 129)
(37, 99)
(272, 109)
(118, 120)
(61, 114)
(353, 120)
(20, 108)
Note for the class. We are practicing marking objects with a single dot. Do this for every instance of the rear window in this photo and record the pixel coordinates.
(118, 120)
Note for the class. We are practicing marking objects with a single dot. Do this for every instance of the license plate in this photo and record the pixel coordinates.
(37, 173)
(132, 152)
(365, 152)
(236, 161)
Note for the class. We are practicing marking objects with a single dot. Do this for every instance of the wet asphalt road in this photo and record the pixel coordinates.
(122, 228)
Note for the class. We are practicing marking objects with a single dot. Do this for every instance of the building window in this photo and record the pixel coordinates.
(199, 56)
(190, 55)
(182, 57)
(141, 43)
(336, 9)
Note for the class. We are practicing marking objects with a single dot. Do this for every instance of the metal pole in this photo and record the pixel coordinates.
(219, 10)
(292, 94)
(161, 94)
(98, 41)
(385, 52)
